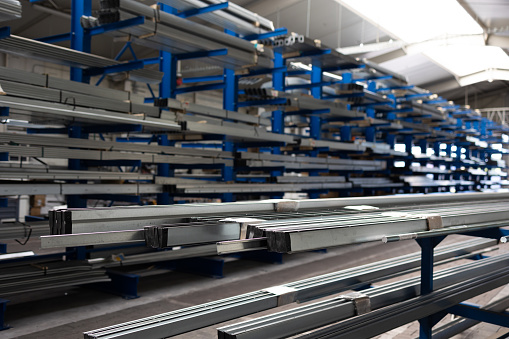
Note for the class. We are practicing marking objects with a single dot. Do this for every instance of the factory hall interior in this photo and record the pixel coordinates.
(254, 169)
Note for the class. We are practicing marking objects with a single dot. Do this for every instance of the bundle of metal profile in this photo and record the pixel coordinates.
(332, 145)
(163, 236)
(37, 276)
(374, 182)
(48, 141)
(52, 174)
(65, 56)
(29, 109)
(225, 114)
(295, 162)
(378, 309)
(300, 103)
(67, 221)
(192, 318)
(294, 235)
(304, 179)
(10, 10)
(30, 188)
(190, 186)
(234, 17)
(164, 31)
(231, 130)
(425, 128)
(68, 153)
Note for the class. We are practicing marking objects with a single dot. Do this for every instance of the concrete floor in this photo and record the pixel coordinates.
(68, 312)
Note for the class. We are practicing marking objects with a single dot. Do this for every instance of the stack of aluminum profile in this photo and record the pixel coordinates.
(68, 221)
(253, 160)
(65, 56)
(192, 186)
(192, 318)
(234, 17)
(37, 275)
(295, 235)
(375, 182)
(164, 31)
(30, 188)
(10, 10)
(18, 83)
(382, 308)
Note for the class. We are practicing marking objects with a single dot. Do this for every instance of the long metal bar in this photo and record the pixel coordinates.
(315, 315)
(184, 320)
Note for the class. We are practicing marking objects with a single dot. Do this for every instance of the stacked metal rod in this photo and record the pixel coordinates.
(234, 17)
(65, 56)
(390, 306)
(10, 10)
(164, 31)
(295, 235)
(188, 319)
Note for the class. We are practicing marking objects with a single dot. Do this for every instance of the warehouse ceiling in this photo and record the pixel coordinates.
(338, 24)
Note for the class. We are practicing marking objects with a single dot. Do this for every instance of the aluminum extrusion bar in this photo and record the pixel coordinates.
(191, 318)
(108, 145)
(10, 10)
(102, 218)
(234, 17)
(315, 315)
(98, 238)
(69, 112)
(65, 189)
(68, 57)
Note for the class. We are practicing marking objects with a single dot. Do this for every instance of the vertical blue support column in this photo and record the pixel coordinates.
(316, 77)
(167, 65)
(436, 148)
(370, 112)
(427, 248)
(370, 134)
(345, 133)
(448, 150)
(423, 144)
(230, 100)
(3, 307)
(80, 39)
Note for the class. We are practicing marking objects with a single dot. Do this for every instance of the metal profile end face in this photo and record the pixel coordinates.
(360, 300)
(361, 208)
(285, 295)
(286, 206)
(243, 222)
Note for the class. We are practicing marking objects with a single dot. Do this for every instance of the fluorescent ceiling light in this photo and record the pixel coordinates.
(416, 21)
(463, 60)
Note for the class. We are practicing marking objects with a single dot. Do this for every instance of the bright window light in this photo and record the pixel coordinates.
(416, 21)
(463, 60)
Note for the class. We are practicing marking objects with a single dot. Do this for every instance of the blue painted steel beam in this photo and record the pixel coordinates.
(47, 130)
(300, 72)
(80, 39)
(278, 101)
(5, 32)
(316, 78)
(278, 78)
(203, 79)
(262, 36)
(202, 10)
(136, 21)
(201, 54)
(474, 312)
(4, 111)
(55, 38)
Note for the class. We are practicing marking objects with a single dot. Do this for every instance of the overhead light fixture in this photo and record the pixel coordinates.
(416, 21)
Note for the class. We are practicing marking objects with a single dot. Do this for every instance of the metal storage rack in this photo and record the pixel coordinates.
(348, 121)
